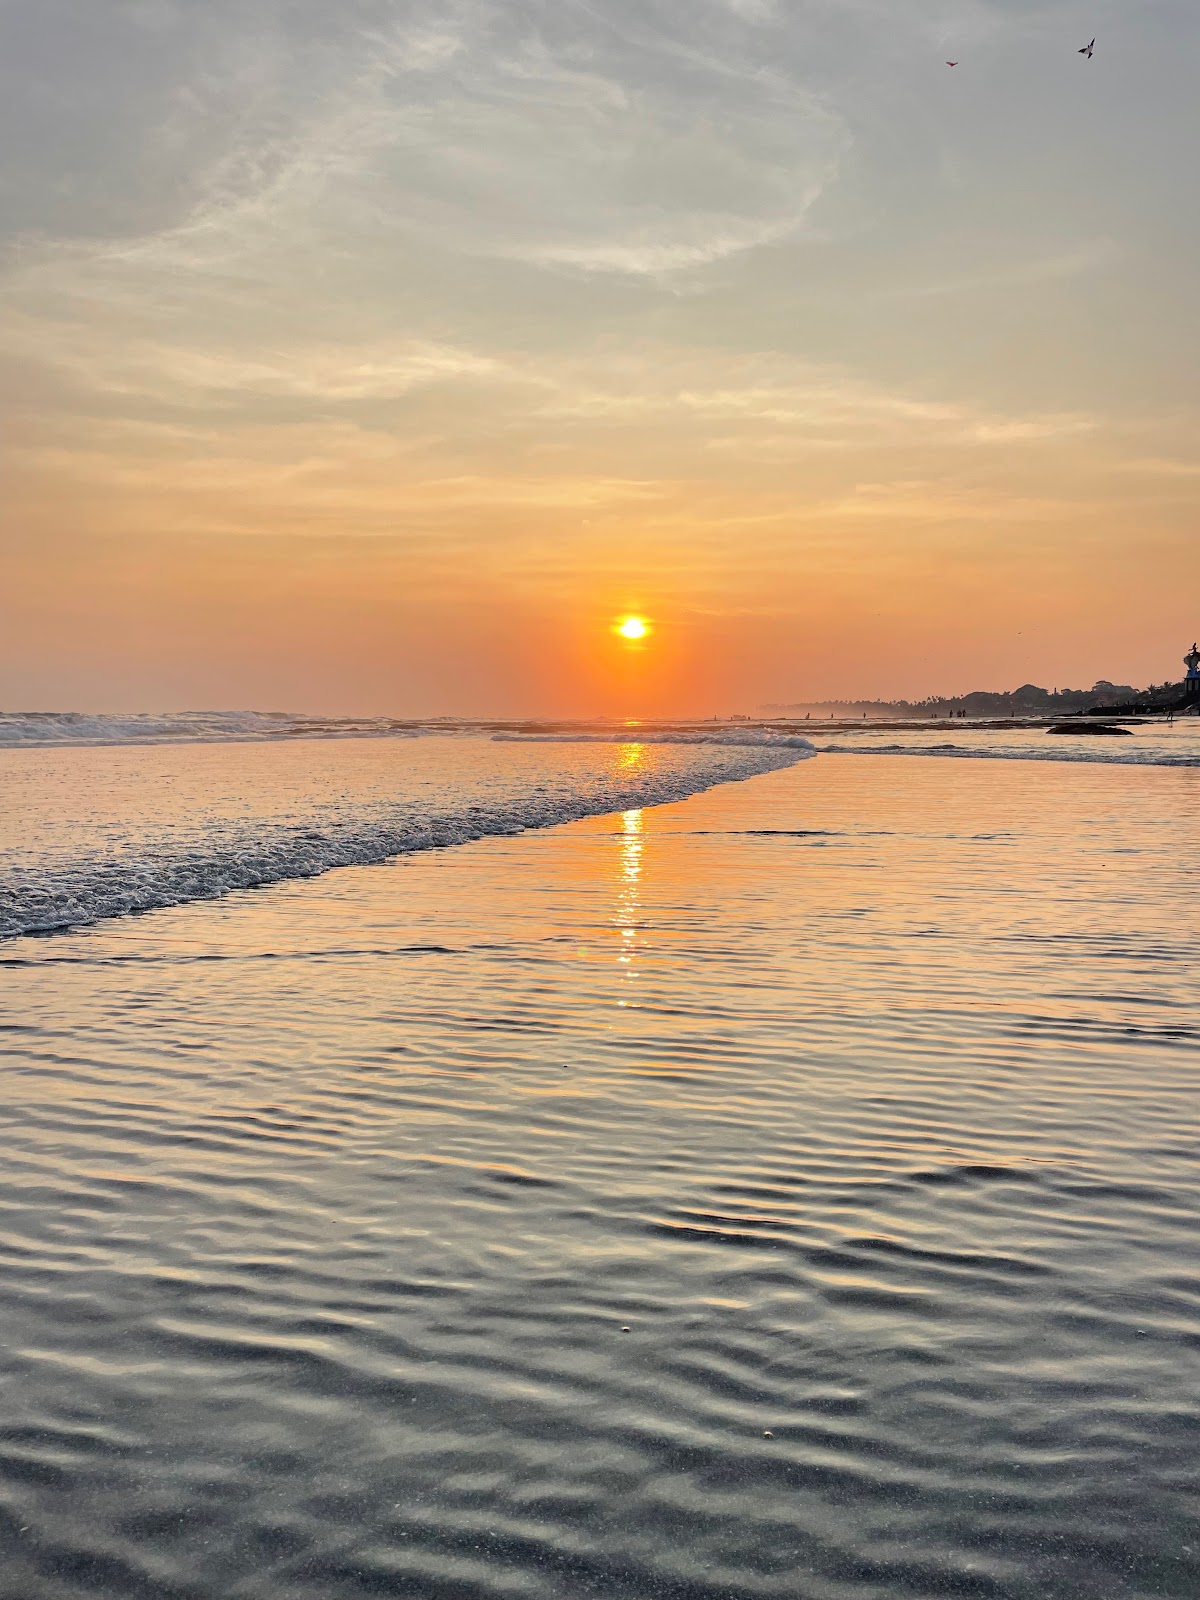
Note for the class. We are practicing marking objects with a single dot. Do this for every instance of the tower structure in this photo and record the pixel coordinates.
(1191, 684)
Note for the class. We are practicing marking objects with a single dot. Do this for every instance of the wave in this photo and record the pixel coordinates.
(734, 738)
(40, 728)
(1107, 756)
(203, 858)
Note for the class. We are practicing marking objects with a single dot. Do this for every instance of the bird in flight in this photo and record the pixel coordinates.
(952, 63)
(1087, 50)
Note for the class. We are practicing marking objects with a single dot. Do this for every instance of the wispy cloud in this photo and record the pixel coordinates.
(1162, 467)
(714, 295)
(1013, 275)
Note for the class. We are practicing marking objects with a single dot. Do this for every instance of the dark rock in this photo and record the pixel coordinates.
(1089, 727)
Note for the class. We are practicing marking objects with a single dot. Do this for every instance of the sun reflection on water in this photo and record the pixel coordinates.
(627, 911)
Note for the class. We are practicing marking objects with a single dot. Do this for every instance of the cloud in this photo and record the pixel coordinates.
(780, 398)
(562, 142)
(143, 367)
(1162, 467)
(927, 501)
(1014, 275)
(471, 260)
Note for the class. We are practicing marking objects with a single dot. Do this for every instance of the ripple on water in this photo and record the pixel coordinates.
(591, 1213)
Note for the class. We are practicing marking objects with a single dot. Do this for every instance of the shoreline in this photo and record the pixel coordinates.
(279, 728)
(253, 840)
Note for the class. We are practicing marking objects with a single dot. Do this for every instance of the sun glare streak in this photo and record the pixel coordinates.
(627, 911)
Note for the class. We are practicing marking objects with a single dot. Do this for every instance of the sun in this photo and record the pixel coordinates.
(633, 628)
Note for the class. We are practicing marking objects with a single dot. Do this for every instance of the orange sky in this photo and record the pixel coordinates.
(353, 363)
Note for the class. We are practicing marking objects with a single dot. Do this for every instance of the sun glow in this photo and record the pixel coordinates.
(633, 628)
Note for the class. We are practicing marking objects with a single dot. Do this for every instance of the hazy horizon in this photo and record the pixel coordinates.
(376, 361)
(763, 709)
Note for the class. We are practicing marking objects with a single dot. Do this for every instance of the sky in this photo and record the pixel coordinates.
(375, 357)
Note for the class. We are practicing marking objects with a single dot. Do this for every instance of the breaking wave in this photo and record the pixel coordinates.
(39, 729)
(735, 738)
(103, 835)
(36, 728)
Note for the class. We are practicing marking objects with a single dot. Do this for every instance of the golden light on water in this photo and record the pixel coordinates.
(633, 628)
(627, 915)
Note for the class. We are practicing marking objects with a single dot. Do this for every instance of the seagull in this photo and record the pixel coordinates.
(952, 63)
(1087, 50)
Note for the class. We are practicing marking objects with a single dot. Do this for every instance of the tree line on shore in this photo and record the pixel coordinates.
(1030, 700)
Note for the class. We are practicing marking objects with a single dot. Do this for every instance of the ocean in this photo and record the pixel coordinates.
(672, 1164)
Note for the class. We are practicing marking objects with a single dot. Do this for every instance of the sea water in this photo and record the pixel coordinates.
(104, 819)
(108, 815)
(786, 1190)
(1160, 743)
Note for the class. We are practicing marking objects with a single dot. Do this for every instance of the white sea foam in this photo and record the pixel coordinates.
(37, 728)
(1151, 745)
(103, 832)
(728, 738)
(195, 805)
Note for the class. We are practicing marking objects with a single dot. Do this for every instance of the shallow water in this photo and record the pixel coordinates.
(98, 831)
(862, 1094)
(1157, 743)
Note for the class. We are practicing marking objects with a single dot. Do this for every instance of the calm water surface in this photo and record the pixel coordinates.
(787, 1192)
